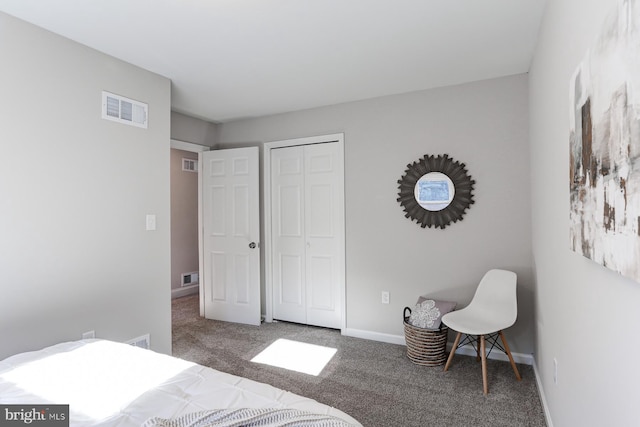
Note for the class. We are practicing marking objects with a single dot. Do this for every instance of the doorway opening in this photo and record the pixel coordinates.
(184, 218)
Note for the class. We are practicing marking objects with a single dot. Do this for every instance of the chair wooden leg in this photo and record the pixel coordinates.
(483, 355)
(513, 364)
(453, 350)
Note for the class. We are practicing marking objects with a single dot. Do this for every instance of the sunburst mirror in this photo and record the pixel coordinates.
(435, 191)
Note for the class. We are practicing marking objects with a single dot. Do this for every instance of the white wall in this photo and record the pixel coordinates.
(74, 192)
(482, 124)
(587, 315)
(194, 130)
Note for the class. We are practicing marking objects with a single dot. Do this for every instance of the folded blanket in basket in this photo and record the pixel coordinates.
(428, 313)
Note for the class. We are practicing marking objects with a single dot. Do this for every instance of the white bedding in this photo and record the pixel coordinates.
(113, 384)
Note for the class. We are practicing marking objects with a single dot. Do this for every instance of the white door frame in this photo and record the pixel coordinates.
(268, 146)
(188, 146)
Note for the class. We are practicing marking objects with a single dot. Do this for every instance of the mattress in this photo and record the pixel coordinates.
(113, 384)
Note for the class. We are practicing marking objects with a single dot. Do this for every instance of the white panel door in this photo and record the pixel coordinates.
(307, 240)
(323, 213)
(288, 234)
(230, 232)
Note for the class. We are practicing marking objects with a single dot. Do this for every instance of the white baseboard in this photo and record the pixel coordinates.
(374, 336)
(525, 359)
(184, 291)
(467, 350)
(543, 398)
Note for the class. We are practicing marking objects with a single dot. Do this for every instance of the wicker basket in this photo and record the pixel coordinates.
(425, 347)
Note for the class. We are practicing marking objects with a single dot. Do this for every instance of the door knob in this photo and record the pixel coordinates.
(252, 245)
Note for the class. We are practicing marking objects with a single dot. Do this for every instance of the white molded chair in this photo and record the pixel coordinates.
(494, 307)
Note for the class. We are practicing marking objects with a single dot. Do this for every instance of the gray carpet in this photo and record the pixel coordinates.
(374, 382)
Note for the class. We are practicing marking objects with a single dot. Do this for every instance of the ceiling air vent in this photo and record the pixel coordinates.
(124, 110)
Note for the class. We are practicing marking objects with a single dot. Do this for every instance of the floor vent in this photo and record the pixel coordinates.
(189, 279)
(124, 110)
(142, 342)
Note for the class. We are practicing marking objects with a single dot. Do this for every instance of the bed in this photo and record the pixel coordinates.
(113, 384)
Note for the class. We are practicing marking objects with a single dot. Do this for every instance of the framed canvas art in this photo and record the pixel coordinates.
(604, 170)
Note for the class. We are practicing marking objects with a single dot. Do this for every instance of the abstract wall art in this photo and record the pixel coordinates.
(604, 170)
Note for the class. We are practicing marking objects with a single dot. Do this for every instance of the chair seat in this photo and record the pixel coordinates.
(471, 322)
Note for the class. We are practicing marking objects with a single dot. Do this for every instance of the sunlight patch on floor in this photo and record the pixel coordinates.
(296, 356)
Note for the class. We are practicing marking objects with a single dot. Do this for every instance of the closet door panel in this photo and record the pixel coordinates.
(322, 176)
(319, 283)
(320, 215)
(288, 230)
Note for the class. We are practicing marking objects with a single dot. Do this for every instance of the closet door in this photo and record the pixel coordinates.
(323, 238)
(307, 237)
(288, 234)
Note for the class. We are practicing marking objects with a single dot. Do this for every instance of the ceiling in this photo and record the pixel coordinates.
(231, 59)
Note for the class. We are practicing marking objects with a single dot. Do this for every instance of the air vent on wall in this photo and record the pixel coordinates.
(124, 110)
(142, 342)
(189, 279)
(189, 165)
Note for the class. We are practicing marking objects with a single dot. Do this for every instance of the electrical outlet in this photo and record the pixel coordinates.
(555, 370)
(151, 222)
(88, 335)
(385, 297)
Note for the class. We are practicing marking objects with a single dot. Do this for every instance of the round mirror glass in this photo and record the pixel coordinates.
(434, 191)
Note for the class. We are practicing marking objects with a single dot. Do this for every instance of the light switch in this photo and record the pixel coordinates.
(151, 222)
